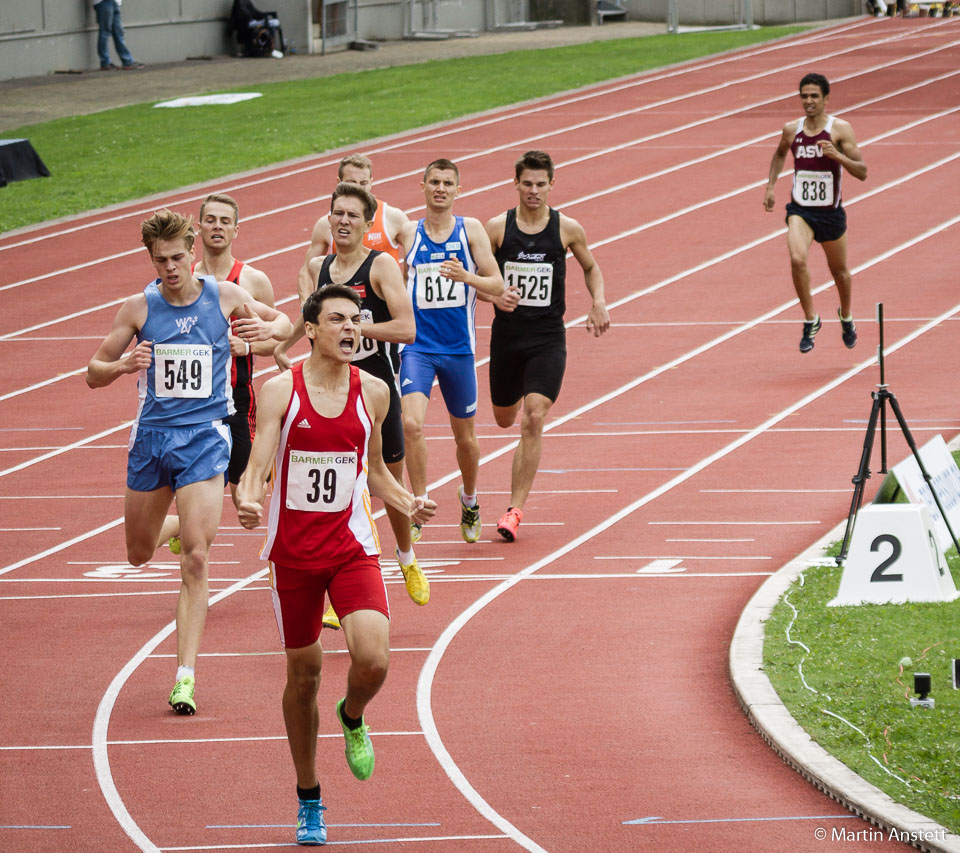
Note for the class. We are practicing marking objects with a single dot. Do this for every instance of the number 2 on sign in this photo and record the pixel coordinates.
(897, 549)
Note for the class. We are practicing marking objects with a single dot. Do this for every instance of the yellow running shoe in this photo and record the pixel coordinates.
(174, 544)
(416, 531)
(330, 619)
(418, 587)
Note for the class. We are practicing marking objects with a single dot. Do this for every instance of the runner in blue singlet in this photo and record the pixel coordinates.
(449, 261)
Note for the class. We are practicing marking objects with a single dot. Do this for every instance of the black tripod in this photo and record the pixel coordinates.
(881, 397)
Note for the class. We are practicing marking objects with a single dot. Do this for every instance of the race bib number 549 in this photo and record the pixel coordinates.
(182, 370)
(437, 291)
(320, 482)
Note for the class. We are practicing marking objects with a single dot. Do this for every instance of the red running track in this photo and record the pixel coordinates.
(567, 692)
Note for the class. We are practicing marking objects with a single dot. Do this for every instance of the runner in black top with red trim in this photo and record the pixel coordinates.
(386, 319)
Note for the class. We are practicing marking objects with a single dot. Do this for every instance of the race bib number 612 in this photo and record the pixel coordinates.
(437, 291)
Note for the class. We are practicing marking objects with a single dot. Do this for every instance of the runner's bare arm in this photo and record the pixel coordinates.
(376, 398)
(843, 148)
(487, 279)
(395, 220)
(257, 284)
(320, 245)
(575, 238)
(510, 298)
(401, 328)
(776, 163)
(251, 491)
(108, 362)
(256, 321)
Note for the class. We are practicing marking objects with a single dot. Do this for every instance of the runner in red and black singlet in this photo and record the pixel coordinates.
(383, 235)
(218, 227)
(823, 146)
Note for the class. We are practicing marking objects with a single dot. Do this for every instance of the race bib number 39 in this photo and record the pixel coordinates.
(182, 371)
(813, 189)
(534, 282)
(435, 291)
(320, 482)
(368, 346)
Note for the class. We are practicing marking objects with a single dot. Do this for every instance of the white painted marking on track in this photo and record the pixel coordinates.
(428, 673)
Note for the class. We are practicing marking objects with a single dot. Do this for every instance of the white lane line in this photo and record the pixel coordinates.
(163, 741)
(579, 126)
(431, 665)
(675, 557)
(101, 758)
(596, 402)
(744, 523)
(709, 540)
(536, 106)
(607, 191)
(103, 528)
(645, 226)
(391, 841)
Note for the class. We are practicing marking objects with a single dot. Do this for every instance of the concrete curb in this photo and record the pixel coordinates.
(781, 731)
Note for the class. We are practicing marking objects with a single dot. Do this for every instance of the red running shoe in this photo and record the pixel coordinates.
(507, 526)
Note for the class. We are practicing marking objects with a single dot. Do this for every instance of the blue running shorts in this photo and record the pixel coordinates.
(456, 374)
(177, 456)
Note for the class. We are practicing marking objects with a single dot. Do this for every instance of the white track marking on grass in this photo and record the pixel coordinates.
(429, 670)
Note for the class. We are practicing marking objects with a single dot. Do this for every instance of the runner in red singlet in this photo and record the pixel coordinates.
(319, 426)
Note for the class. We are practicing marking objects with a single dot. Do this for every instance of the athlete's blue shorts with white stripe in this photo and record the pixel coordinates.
(456, 374)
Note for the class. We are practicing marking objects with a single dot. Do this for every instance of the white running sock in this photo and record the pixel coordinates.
(184, 672)
(406, 557)
(468, 500)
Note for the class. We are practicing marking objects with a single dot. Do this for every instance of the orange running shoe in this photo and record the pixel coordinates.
(507, 526)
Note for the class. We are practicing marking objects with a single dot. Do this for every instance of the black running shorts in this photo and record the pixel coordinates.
(523, 364)
(828, 223)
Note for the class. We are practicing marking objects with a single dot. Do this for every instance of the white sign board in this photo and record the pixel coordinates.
(894, 558)
(945, 477)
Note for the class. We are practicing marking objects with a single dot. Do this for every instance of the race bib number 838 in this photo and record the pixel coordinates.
(813, 189)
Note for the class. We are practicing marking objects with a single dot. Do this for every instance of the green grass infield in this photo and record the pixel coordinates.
(122, 154)
(855, 667)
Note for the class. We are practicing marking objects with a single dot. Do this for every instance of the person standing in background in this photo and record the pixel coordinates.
(111, 25)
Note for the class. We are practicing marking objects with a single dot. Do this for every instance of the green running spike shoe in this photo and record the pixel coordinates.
(181, 697)
(359, 749)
